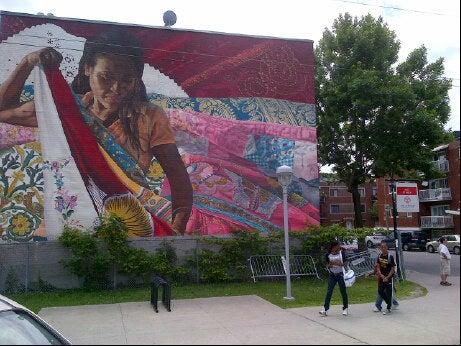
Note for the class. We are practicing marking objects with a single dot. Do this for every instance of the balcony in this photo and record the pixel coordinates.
(434, 195)
(436, 222)
(442, 165)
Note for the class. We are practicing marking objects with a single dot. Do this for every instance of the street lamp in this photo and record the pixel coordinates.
(284, 177)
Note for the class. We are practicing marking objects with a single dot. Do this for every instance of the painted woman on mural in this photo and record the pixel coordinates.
(112, 100)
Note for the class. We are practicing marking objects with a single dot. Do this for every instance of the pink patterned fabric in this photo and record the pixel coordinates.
(11, 135)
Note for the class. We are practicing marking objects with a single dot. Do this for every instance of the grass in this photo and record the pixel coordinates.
(307, 292)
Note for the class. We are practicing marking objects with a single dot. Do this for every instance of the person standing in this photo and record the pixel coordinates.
(336, 261)
(385, 271)
(445, 258)
(379, 300)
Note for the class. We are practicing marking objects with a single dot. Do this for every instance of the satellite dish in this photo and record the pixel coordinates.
(40, 14)
(169, 18)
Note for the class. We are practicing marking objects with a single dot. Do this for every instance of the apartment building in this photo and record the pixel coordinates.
(337, 207)
(442, 194)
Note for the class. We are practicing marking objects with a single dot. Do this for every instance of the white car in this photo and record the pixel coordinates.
(374, 240)
(452, 244)
(20, 326)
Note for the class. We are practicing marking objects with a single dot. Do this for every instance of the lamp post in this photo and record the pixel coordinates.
(284, 177)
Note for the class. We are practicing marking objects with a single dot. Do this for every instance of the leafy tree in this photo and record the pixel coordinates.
(376, 117)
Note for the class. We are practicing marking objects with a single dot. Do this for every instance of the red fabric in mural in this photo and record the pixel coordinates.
(84, 146)
(210, 64)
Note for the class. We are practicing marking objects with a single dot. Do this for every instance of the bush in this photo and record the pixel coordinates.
(94, 254)
(230, 262)
(88, 261)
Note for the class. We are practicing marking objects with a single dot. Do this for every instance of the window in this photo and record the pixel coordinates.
(438, 183)
(439, 210)
(388, 209)
(362, 192)
(363, 208)
(339, 192)
(374, 191)
(322, 199)
(334, 209)
(451, 238)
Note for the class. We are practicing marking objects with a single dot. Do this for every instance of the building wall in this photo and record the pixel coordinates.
(451, 153)
(238, 107)
(405, 220)
(346, 207)
(453, 180)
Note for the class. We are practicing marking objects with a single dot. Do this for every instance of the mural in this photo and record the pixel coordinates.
(176, 132)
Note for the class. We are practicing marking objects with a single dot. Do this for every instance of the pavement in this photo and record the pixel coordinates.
(433, 319)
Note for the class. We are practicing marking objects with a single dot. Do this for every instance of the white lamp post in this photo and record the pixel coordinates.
(284, 176)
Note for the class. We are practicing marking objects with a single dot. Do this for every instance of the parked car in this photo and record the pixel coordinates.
(374, 240)
(414, 240)
(20, 326)
(453, 244)
(350, 246)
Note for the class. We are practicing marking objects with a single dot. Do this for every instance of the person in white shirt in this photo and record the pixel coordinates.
(445, 258)
(336, 261)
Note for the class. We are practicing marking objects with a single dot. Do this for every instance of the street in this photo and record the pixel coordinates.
(428, 263)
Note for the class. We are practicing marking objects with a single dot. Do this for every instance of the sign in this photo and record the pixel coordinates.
(407, 198)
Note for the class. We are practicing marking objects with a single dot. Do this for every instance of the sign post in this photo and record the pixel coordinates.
(405, 199)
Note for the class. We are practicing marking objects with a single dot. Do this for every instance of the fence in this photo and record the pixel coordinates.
(362, 263)
(267, 266)
(38, 266)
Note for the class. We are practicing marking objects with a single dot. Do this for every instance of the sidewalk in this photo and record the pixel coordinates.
(433, 319)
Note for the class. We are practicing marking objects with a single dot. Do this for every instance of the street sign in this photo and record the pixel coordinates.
(407, 197)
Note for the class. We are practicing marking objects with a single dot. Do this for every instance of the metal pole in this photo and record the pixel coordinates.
(287, 243)
(397, 237)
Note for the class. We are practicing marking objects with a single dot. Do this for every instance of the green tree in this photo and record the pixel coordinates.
(376, 117)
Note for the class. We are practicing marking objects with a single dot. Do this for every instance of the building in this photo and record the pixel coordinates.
(442, 194)
(337, 207)
(406, 221)
(435, 196)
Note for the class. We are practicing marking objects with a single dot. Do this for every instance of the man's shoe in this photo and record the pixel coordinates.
(345, 312)
(376, 309)
(323, 313)
(448, 283)
(387, 311)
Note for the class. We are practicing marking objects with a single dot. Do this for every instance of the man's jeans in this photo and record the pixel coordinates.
(332, 281)
(379, 301)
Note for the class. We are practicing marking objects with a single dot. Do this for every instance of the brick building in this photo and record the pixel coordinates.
(442, 194)
(337, 207)
(406, 221)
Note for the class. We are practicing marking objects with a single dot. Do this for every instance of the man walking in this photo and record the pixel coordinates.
(445, 258)
(385, 270)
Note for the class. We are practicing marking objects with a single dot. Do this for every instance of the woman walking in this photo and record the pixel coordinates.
(336, 262)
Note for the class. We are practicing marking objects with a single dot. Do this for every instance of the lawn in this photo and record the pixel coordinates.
(307, 292)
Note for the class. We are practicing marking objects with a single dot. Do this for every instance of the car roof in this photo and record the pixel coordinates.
(5, 305)
(8, 304)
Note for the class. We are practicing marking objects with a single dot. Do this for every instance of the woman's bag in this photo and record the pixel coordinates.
(349, 277)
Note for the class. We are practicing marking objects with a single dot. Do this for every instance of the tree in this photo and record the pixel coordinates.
(376, 117)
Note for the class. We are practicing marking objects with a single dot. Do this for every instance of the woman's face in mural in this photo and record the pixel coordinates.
(111, 80)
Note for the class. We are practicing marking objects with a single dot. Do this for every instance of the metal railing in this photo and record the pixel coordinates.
(436, 222)
(268, 266)
(362, 263)
(431, 195)
(442, 165)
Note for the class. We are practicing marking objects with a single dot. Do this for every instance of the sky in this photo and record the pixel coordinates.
(435, 24)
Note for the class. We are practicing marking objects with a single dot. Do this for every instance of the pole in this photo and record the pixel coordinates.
(287, 244)
(397, 237)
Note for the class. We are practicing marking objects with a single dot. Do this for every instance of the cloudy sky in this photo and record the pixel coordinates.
(436, 24)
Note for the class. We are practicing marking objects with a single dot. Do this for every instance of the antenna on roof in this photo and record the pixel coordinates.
(169, 18)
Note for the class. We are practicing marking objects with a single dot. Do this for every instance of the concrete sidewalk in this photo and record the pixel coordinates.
(433, 319)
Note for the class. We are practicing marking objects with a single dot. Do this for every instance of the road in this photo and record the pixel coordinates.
(428, 263)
